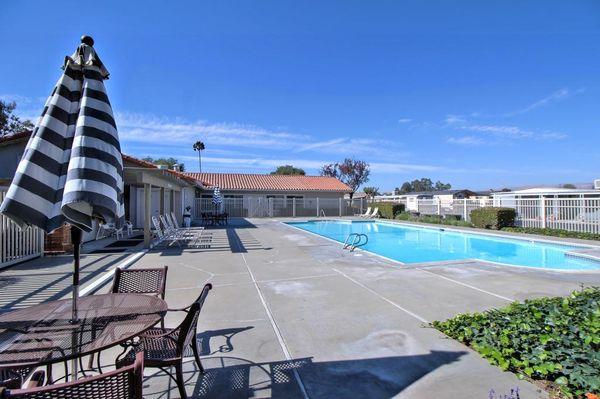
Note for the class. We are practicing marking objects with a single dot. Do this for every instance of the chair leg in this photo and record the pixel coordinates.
(197, 355)
(180, 381)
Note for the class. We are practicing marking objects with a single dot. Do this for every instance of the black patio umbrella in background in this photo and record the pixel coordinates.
(72, 169)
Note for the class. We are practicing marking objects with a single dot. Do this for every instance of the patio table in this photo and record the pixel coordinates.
(44, 334)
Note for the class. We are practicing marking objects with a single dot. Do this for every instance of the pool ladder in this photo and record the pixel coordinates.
(355, 240)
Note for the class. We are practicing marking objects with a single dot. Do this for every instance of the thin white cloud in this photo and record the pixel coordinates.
(149, 129)
(512, 132)
(556, 96)
(505, 132)
(152, 129)
(453, 119)
(466, 140)
(320, 144)
(404, 120)
(267, 164)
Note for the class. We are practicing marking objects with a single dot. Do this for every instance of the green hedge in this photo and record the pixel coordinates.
(388, 210)
(553, 232)
(434, 219)
(552, 339)
(493, 217)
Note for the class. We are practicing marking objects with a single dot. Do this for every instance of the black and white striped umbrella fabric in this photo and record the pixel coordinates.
(216, 198)
(72, 169)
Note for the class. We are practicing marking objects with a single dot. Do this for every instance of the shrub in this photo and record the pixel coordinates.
(434, 219)
(388, 210)
(553, 232)
(493, 217)
(552, 339)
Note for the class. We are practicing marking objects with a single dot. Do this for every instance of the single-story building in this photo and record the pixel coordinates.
(11, 150)
(164, 190)
(260, 195)
(445, 197)
(547, 192)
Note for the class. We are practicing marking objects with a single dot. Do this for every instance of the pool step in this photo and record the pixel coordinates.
(587, 254)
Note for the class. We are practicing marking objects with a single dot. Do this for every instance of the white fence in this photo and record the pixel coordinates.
(18, 245)
(575, 214)
(281, 207)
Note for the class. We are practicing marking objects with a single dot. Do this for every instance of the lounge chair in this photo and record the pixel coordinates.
(171, 229)
(364, 215)
(375, 214)
(164, 235)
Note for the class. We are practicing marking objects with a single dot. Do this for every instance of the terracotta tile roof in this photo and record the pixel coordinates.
(256, 182)
(138, 162)
(145, 164)
(16, 136)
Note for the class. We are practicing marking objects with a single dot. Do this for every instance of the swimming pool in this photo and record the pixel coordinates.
(413, 244)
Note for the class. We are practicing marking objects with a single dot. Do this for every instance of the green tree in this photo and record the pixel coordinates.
(288, 170)
(9, 122)
(169, 162)
(569, 185)
(423, 184)
(351, 172)
(371, 191)
(199, 146)
(439, 186)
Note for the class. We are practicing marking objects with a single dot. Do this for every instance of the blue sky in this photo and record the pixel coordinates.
(480, 94)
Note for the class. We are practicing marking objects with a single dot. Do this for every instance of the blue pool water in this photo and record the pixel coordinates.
(410, 244)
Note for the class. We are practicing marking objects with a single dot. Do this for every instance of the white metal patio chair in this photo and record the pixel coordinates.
(180, 232)
(364, 215)
(162, 235)
(375, 214)
(187, 231)
(169, 229)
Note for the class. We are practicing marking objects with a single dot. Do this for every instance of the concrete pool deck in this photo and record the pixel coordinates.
(292, 315)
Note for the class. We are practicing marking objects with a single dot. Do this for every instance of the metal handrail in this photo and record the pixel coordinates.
(346, 244)
(358, 243)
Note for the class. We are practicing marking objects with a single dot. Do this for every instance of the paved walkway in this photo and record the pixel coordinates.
(291, 315)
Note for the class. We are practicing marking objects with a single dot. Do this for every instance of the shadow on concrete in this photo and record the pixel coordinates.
(25, 285)
(230, 239)
(228, 333)
(382, 377)
(238, 223)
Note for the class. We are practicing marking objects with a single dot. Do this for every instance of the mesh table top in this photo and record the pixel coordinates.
(44, 333)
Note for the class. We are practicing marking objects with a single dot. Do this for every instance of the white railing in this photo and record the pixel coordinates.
(262, 206)
(576, 214)
(18, 245)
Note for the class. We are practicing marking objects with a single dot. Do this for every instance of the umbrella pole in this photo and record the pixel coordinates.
(76, 241)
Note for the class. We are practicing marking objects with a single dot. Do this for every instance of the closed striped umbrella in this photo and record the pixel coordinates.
(72, 169)
(217, 200)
